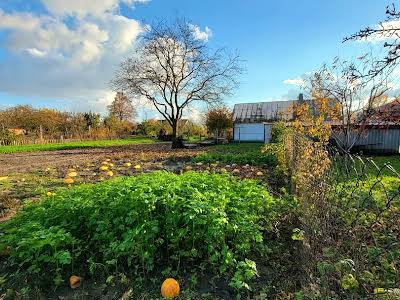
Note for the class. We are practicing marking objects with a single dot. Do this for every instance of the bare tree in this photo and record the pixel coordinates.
(172, 69)
(122, 108)
(356, 100)
(387, 31)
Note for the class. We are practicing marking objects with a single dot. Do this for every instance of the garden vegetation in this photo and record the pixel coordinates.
(143, 226)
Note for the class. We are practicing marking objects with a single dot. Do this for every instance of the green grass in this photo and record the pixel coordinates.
(380, 161)
(74, 145)
(195, 138)
(244, 153)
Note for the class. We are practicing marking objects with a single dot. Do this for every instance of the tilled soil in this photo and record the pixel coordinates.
(31, 175)
(32, 161)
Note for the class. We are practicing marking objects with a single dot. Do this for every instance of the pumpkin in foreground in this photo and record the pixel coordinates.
(170, 288)
(75, 281)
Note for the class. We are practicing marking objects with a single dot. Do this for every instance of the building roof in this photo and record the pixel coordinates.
(265, 111)
(388, 113)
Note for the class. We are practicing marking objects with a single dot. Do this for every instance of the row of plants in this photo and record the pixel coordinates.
(239, 153)
(144, 225)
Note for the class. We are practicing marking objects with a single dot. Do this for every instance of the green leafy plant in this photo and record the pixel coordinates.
(139, 224)
(242, 154)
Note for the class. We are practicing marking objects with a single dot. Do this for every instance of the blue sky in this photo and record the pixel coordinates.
(43, 63)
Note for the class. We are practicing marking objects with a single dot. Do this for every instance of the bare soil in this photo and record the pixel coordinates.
(32, 161)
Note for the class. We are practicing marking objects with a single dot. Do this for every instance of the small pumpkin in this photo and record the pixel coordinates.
(103, 168)
(72, 174)
(236, 171)
(75, 281)
(110, 173)
(68, 181)
(170, 288)
(128, 164)
(259, 173)
(138, 167)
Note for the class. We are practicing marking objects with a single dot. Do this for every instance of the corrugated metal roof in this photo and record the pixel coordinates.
(263, 111)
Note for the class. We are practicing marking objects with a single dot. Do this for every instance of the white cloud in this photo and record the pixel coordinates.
(295, 81)
(20, 21)
(36, 52)
(85, 7)
(53, 58)
(391, 32)
(199, 34)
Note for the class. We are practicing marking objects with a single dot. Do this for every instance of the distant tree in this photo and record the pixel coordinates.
(150, 127)
(21, 116)
(218, 120)
(93, 120)
(74, 125)
(122, 108)
(117, 127)
(191, 128)
(172, 69)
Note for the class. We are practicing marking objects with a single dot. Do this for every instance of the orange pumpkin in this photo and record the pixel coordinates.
(170, 288)
(68, 181)
(75, 281)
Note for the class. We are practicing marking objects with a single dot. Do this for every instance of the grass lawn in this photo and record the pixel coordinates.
(74, 145)
(393, 160)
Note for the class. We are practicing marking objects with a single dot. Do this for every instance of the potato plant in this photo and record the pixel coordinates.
(141, 225)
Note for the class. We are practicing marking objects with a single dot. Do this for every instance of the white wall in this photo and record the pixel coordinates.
(252, 132)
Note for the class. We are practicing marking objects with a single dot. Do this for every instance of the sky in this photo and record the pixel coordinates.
(63, 53)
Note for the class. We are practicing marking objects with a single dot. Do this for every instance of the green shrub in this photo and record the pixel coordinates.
(7, 137)
(278, 131)
(152, 222)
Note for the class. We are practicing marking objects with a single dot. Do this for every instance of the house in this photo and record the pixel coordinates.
(381, 131)
(252, 122)
(17, 131)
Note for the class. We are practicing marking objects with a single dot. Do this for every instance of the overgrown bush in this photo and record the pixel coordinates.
(349, 213)
(7, 137)
(278, 131)
(141, 225)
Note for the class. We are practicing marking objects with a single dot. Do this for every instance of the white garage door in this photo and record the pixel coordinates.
(259, 132)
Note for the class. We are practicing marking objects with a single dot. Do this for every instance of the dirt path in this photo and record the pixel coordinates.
(30, 161)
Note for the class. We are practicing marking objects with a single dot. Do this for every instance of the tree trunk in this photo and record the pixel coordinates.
(176, 141)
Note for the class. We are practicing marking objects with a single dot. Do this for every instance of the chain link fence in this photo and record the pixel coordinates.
(349, 209)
